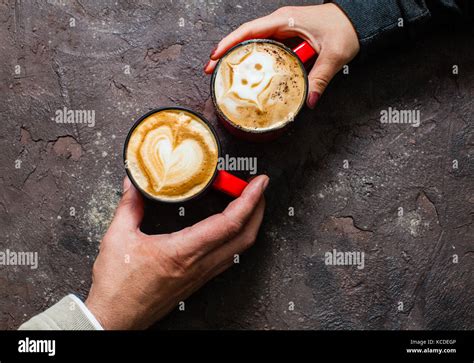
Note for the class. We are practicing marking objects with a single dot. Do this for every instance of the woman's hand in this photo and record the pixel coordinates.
(325, 27)
(137, 279)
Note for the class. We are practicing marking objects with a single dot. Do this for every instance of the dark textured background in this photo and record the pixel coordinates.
(408, 258)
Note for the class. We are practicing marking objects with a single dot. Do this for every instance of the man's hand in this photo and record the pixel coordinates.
(137, 278)
(326, 27)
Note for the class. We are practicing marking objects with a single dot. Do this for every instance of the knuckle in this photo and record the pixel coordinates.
(320, 81)
(177, 264)
(250, 240)
(285, 11)
(232, 226)
(245, 27)
(339, 53)
(125, 202)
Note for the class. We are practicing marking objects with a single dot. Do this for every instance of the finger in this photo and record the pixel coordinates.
(240, 243)
(203, 278)
(222, 258)
(259, 28)
(209, 67)
(321, 74)
(129, 213)
(216, 263)
(198, 240)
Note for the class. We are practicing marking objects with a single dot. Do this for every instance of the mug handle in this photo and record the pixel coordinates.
(229, 184)
(304, 51)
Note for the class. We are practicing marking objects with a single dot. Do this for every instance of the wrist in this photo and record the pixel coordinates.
(347, 21)
(114, 313)
(98, 312)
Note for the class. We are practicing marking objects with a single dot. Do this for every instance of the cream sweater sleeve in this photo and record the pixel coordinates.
(69, 313)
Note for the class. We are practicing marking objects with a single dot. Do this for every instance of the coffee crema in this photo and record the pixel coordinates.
(259, 85)
(172, 155)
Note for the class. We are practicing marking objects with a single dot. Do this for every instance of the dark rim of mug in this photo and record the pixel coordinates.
(138, 122)
(257, 131)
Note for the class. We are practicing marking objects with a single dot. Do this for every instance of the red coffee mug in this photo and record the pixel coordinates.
(221, 180)
(303, 52)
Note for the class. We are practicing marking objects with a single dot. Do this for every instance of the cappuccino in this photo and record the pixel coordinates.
(259, 85)
(172, 155)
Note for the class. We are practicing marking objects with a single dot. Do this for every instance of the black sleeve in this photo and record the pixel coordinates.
(377, 21)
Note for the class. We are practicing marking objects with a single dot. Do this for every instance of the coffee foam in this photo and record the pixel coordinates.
(172, 155)
(259, 86)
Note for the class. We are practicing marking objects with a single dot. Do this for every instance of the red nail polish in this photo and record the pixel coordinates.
(213, 52)
(313, 99)
(207, 65)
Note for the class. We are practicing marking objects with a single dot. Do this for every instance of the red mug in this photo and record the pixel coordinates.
(303, 52)
(221, 180)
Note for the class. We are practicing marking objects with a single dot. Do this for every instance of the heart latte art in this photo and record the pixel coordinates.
(259, 85)
(172, 155)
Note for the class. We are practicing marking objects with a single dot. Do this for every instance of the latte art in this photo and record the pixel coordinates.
(259, 85)
(172, 155)
(250, 77)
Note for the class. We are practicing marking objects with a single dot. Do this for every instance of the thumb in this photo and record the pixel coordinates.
(129, 213)
(322, 73)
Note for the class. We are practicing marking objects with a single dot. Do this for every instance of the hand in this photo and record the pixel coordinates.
(137, 278)
(325, 27)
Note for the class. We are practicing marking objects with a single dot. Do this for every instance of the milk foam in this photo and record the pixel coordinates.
(172, 155)
(251, 76)
(259, 85)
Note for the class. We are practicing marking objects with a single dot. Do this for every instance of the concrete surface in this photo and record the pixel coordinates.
(61, 198)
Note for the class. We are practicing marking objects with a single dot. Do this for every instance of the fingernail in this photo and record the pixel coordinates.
(126, 184)
(207, 65)
(265, 183)
(213, 52)
(313, 99)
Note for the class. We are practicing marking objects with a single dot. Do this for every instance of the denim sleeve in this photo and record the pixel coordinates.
(376, 21)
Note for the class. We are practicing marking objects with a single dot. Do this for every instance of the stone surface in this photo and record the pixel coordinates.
(61, 198)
